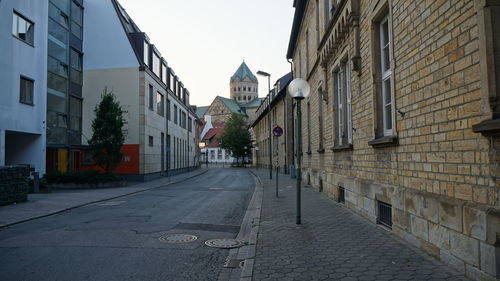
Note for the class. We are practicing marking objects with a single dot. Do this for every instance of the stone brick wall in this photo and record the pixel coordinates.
(219, 111)
(13, 185)
(440, 177)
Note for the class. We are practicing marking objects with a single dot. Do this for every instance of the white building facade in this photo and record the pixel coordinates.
(160, 126)
(23, 80)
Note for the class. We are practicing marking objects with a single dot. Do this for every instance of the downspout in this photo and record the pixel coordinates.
(286, 120)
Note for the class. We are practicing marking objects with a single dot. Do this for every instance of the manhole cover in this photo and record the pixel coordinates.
(224, 243)
(178, 238)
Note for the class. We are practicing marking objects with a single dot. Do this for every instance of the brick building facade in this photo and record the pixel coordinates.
(401, 121)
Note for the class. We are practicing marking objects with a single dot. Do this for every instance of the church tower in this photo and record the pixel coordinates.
(243, 85)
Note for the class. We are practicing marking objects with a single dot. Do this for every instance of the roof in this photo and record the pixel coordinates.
(300, 6)
(254, 103)
(232, 105)
(242, 72)
(200, 111)
(213, 135)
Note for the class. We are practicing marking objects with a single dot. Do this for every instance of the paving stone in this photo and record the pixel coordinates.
(333, 243)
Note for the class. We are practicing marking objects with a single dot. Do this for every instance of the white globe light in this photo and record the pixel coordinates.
(299, 88)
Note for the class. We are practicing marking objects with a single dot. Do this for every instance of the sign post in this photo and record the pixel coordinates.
(277, 132)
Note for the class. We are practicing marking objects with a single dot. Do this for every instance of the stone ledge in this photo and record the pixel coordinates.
(384, 141)
(490, 128)
(341, 147)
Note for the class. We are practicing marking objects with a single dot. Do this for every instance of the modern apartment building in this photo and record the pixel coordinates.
(401, 125)
(161, 131)
(40, 74)
(64, 85)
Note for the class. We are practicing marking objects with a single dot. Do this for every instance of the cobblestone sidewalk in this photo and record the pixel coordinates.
(332, 243)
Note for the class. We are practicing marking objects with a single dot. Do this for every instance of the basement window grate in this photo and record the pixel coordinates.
(384, 214)
(341, 195)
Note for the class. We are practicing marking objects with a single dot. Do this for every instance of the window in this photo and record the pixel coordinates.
(150, 141)
(317, 22)
(164, 73)
(75, 110)
(190, 124)
(146, 53)
(307, 53)
(329, 9)
(156, 64)
(26, 91)
(385, 68)
(320, 121)
(489, 51)
(58, 15)
(23, 28)
(151, 98)
(168, 109)
(384, 111)
(160, 104)
(76, 20)
(212, 154)
(342, 96)
(76, 67)
(308, 127)
(57, 67)
(219, 154)
(175, 114)
(184, 119)
(239, 89)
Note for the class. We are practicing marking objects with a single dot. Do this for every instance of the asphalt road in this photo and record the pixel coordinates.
(118, 239)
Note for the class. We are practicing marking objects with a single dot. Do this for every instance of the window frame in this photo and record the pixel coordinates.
(17, 15)
(383, 135)
(151, 97)
(490, 85)
(160, 103)
(342, 106)
(25, 78)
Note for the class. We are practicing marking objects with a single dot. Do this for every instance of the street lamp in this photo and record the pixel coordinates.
(262, 73)
(298, 89)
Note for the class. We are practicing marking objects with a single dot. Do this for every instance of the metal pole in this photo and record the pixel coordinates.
(277, 168)
(269, 118)
(299, 156)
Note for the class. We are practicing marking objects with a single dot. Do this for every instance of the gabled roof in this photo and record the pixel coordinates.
(200, 111)
(298, 16)
(232, 105)
(242, 72)
(213, 135)
(253, 103)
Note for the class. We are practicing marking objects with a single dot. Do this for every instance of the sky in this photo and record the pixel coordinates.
(205, 41)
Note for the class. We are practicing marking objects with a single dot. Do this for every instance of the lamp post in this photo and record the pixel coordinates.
(298, 89)
(262, 73)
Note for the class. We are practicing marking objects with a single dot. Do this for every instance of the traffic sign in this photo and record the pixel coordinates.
(277, 131)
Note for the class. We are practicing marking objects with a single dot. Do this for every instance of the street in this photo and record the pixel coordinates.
(118, 239)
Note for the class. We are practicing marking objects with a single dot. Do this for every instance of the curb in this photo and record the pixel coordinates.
(97, 201)
(248, 232)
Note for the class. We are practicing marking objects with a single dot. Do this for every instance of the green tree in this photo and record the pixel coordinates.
(107, 138)
(236, 137)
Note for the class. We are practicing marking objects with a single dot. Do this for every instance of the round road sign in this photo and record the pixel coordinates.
(277, 131)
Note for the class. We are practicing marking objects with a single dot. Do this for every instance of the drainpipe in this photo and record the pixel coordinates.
(286, 142)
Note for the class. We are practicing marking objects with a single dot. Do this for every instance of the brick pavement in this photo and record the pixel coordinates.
(332, 243)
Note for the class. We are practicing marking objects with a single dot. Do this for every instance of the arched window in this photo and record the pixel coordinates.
(239, 89)
(249, 98)
(244, 88)
(244, 97)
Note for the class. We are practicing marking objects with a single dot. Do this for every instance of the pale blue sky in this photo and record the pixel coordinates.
(206, 40)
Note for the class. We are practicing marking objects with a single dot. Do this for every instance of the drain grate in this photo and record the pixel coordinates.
(177, 238)
(234, 263)
(224, 243)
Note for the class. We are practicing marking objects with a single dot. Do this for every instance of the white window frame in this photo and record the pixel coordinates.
(386, 76)
(342, 94)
